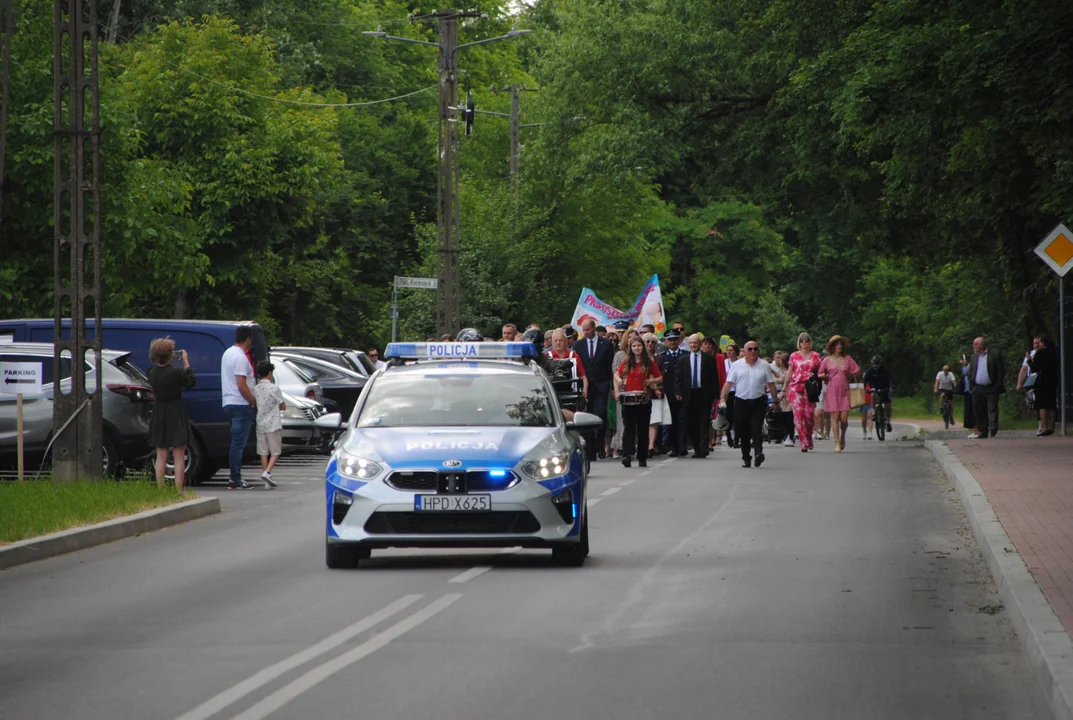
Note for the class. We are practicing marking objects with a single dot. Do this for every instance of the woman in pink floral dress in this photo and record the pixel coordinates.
(803, 363)
(838, 370)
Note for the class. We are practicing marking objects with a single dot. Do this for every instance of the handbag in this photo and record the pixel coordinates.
(813, 387)
(856, 397)
(1030, 381)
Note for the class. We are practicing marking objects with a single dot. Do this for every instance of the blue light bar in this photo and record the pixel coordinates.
(497, 473)
(461, 351)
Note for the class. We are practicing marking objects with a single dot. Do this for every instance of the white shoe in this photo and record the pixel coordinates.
(974, 436)
(267, 478)
(787, 443)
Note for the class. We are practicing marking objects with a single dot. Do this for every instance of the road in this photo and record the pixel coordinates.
(819, 586)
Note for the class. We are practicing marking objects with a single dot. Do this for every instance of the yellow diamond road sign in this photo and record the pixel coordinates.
(1057, 250)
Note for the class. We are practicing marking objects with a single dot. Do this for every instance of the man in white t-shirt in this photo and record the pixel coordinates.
(240, 404)
(751, 379)
(944, 386)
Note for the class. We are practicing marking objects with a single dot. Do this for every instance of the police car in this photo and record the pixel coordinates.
(457, 445)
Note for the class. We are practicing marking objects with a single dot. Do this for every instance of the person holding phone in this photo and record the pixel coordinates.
(169, 426)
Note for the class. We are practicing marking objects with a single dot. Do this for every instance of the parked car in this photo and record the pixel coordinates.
(355, 360)
(299, 432)
(340, 385)
(295, 381)
(204, 342)
(126, 403)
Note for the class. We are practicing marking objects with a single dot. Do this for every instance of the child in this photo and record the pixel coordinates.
(269, 425)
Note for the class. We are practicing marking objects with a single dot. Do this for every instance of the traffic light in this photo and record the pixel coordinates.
(468, 113)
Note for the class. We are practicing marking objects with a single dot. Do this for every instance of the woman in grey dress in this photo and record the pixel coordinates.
(169, 427)
(620, 357)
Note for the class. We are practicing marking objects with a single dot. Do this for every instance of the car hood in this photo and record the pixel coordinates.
(424, 446)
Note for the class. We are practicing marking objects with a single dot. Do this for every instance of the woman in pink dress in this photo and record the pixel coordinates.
(837, 370)
(803, 363)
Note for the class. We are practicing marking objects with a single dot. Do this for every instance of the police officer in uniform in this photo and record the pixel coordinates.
(668, 365)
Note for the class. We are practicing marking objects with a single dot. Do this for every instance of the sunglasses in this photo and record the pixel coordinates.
(752, 349)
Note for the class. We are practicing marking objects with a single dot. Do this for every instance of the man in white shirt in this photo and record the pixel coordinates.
(374, 355)
(987, 376)
(749, 378)
(240, 404)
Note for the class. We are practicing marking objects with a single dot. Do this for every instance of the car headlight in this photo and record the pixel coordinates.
(359, 468)
(549, 459)
(293, 412)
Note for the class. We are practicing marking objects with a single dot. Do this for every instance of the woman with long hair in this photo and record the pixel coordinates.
(803, 363)
(169, 425)
(620, 357)
(636, 378)
(838, 371)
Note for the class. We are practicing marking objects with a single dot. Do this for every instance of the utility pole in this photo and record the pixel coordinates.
(7, 27)
(449, 290)
(515, 136)
(76, 452)
(448, 236)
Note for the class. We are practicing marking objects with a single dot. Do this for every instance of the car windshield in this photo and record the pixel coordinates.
(362, 359)
(464, 399)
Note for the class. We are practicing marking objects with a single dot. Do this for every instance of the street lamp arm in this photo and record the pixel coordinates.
(385, 36)
(511, 34)
(489, 112)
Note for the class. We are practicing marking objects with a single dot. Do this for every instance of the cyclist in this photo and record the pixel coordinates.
(878, 377)
(944, 385)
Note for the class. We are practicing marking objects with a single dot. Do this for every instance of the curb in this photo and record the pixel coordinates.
(60, 543)
(1045, 641)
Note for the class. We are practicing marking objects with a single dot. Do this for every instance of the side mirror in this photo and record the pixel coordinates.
(585, 421)
(331, 421)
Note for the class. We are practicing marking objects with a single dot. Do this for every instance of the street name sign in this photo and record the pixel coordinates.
(20, 378)
(1057, 250)
(415, 282)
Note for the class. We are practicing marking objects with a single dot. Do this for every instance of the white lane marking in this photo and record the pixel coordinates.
(591, 501)
(232, 695)
(319, 674)
(646, 472)
(610, 491)
(633, 480)
(470, 574)
(668, 461)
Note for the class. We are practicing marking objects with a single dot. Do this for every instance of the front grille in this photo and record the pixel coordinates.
(452, 523)
(310, 413)
(423, 481)
(481, 480)
(429, 481)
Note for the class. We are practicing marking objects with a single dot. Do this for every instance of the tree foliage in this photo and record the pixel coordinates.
(882, 170)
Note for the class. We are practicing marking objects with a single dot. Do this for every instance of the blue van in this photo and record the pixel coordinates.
(204, 342)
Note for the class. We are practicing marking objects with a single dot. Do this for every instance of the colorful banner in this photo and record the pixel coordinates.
(646, 309)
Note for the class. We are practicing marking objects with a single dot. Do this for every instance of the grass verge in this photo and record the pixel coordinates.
(40, 507)
(916, 408)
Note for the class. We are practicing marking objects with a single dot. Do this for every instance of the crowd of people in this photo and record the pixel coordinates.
(682, 393)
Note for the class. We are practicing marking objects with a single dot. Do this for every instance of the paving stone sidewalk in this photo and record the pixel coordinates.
(1029, 483)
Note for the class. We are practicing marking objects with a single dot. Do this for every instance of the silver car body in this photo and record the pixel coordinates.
(435, 455)
(294, 381)
(126, 405)
(299, 432)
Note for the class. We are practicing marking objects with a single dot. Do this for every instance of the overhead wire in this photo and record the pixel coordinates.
(271, 98)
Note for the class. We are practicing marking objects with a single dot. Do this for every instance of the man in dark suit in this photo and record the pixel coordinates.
(696, 383)
(987, 378)
(596, 354)
(673, 435)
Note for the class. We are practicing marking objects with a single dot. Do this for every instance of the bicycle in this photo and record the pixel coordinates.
(946, 407)
(880, 414)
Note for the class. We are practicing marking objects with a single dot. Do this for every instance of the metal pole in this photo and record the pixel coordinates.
(1062, 344)
(515, 135)
(76, 450)
(394, 309)
(7, 27)
(19, 431)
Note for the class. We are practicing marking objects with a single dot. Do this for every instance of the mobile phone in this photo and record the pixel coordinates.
(179, 355)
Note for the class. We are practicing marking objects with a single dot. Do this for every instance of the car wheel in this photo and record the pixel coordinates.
(109, 457)
(197, 470)
(574, 555)
(344, 557)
